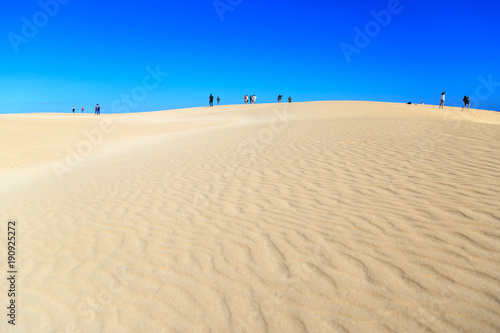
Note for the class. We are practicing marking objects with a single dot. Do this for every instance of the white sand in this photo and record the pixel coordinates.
(319, 217)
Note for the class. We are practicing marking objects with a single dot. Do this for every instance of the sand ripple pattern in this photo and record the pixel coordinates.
(336, 217)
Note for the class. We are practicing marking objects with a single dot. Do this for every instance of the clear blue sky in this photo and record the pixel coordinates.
(88, 52)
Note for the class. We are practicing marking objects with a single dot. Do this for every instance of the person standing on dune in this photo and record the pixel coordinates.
(218, 100)
(73, 109)
(82, 109)
(211, 100)
(441, 105)
(466, 102)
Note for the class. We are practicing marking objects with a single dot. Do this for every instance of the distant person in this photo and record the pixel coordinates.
(279, 98)
(254, 99)
(246, 99)
(441, 105)
(218, 100)
(73, 109)
(82, 109)
(466, 102)
(97, 109)
(290, 99)
(211, 100)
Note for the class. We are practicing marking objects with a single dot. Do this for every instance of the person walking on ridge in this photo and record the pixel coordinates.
(466, 102)
(211, 100)
(218, 100)
(73, 109)
(441, 105)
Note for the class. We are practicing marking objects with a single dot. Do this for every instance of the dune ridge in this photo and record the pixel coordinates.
(305, 217)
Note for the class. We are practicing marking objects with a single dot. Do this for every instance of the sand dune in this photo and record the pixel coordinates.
(303, 217)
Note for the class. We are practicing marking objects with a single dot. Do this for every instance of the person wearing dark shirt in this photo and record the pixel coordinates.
(466, 102)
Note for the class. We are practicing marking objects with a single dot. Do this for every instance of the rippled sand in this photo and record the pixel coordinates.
(304, 217)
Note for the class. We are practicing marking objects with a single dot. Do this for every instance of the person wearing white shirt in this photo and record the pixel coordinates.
(441, 105)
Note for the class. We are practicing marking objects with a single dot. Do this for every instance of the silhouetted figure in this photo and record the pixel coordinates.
(73, 109)
(279, 98)
(211, 100)
(290, 99)
(466, 102)
(218, 100)
(97, 110)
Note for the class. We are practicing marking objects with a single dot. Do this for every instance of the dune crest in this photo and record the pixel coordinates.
(304, 217)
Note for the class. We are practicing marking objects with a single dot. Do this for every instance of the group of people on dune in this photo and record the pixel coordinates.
(252, 99)
(97, 109)
(466, 101)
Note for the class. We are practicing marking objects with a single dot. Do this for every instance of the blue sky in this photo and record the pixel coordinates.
(88, 52)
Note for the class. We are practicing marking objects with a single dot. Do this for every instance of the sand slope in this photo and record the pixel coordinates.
(304, 217)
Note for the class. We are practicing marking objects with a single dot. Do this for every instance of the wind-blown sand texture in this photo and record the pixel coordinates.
(303, 217)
